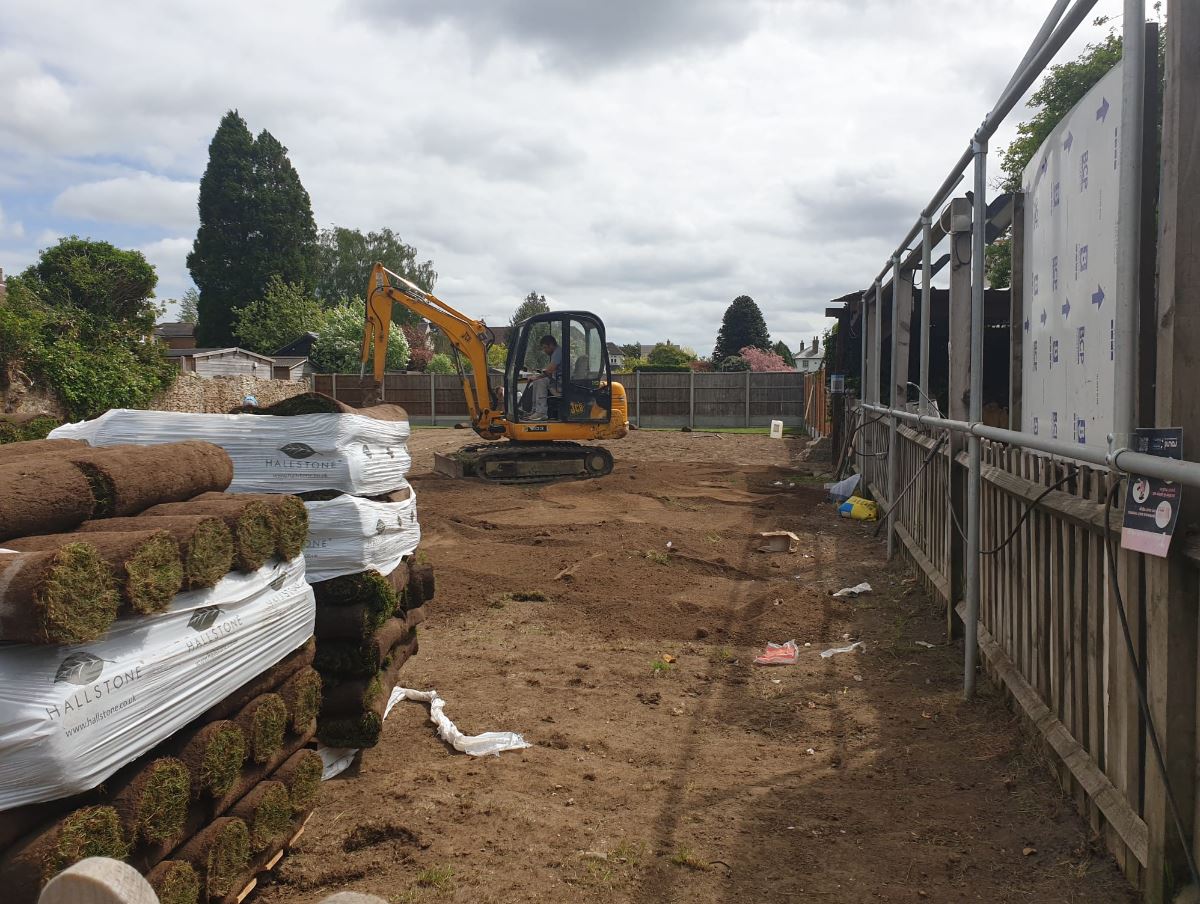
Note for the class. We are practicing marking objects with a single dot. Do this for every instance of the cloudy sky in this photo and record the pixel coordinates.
(645, 159)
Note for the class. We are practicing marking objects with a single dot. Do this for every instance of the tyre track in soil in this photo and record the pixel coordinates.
(695, 780)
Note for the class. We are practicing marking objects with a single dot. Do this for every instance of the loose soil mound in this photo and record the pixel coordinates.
(64, 596)
(145, 564)
(252, 524)
(42, 496)
(205, 542)
(128, 479)
(319, 403)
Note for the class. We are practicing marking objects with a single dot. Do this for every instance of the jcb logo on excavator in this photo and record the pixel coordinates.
(577, 408)
(540, 428)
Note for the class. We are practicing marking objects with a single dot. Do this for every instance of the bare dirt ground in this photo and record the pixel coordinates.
(861, 777)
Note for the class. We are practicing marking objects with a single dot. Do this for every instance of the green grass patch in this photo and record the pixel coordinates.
(79, 598)
(163, 803)
(227, 857)
(175, 882)
(90, 832)
(155, 575)
(222, 761)
(440, 878)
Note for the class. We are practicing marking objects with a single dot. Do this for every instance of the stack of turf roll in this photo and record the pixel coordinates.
(157, 692)
(349, 467)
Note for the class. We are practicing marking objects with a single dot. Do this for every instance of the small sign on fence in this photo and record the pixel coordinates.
(837, 383)
(1152, 505)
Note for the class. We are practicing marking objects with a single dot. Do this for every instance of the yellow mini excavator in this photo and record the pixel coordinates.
(582, 402)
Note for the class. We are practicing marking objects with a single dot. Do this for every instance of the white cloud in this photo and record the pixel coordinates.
(647, 161)
(10, 229)
(141, 199)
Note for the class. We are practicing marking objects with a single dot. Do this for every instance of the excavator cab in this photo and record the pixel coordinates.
(581, 391)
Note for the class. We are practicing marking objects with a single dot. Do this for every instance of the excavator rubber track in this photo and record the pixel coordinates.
(526, 463)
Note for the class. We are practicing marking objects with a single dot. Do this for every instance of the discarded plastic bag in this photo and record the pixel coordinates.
(779, 654)
(491, 743)
(856, 590)
(859, 509)
(843, 489)
(849, 648)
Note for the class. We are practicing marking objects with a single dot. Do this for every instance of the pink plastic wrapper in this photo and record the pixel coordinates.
(778, 654)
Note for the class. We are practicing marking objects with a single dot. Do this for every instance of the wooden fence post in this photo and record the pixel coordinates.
(1171, 583)
(959, 395)
(691, 399)
(747, 398)
(433, 400)
(637, 395)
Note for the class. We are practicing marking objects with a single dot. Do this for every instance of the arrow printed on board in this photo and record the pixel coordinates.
(1102, 110)
(1027, 325)
(1070, 140)
(1066, 309)
(1043, 317)
(1045, 163)
(1098, 296)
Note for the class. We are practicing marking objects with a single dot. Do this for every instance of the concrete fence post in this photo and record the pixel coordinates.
(637, 396)
(333, 385)
(433, 399)
(747, 398)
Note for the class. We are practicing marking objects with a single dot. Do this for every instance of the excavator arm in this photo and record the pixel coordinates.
(468, 337)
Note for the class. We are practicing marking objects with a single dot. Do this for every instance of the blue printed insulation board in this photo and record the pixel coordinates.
(1070, 272)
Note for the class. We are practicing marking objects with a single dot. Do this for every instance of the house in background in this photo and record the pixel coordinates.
(292, 367)
(222, 362)
(810, 358)
(176, 335)
(616, 357)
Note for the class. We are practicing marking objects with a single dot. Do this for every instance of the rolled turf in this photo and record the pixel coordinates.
(351, 623)
(301, 773)
(254, 773)
(363, 728)
(421, 585)
(398, 579)
(205, 542)
(128, 479)
(153, 804)
(414, 617)
(369, 588)
(37, 448)
(62, 596)
(214, 755)
(42, 496)
(267, 812)
(220, 855)
(145, 565)
(264, 721)
(251, 522)
(291, 518)
(31, 862)
(302, 695)
(175, 882)
(263, 683)
(359, 659)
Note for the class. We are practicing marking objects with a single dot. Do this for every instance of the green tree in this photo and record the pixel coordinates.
(668, 355)
(497, 356)
(733, 363)
(632, 350)
(78, 323)
(781, 349)
(338, 348)
(189, 311)
(345, 258)
(96, 278)
(533, 304)
(440, 364)
(741, 326)
(255, 222)
(1063, 87)
(284, 313)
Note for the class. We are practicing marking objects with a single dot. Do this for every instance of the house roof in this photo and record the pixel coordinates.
(174, 330)
(290, 360)
(808, 352)
(301, 345)
(208, 352)
(501, 334)
(614, 349)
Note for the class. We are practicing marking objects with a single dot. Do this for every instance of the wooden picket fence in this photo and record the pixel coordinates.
(1049, 631)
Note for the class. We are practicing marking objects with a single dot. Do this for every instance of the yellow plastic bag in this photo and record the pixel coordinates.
(859, 509)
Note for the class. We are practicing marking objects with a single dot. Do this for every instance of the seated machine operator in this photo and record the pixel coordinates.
(550, 380)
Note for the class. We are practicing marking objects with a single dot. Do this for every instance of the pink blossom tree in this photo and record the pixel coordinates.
(764, 362)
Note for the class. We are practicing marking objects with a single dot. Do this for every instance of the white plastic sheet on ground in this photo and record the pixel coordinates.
(349, 453)
(490, 743)
(347, 535)
(849, 648)
(856, 590)
(71, 716)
